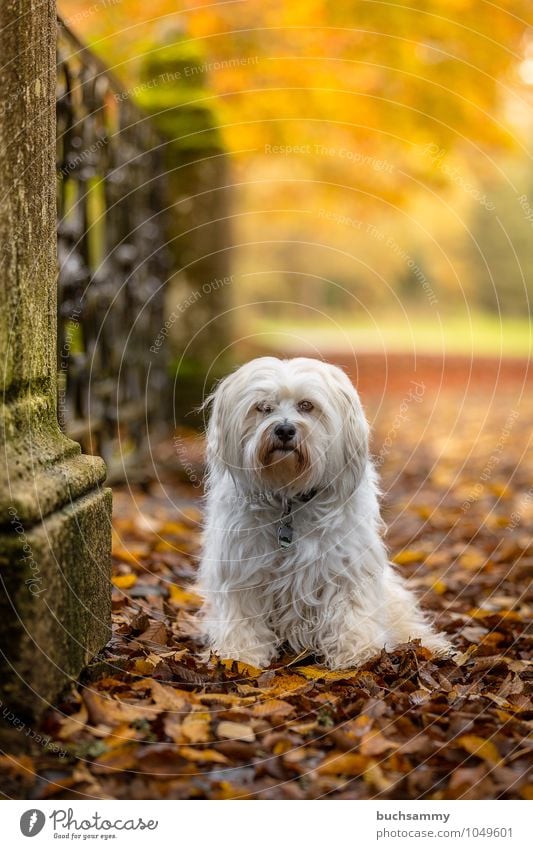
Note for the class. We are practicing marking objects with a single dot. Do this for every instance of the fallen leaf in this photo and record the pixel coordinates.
(235, 731)
(196, 727)
(124, 582)
(271, 707)
(343, 763)
(408, 556)
(484, 749)
(184, 598)
(108, 711)
(168, 698)
(375, 743)
(282, 685)
(202, 756)
(155, 633)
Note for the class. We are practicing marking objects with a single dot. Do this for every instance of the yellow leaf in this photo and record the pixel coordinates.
(480, 747)
(120, 757)
(130, 555)
(500, 489)
(408, 556)
(227, 698)
(303, 727)
(504, 715)
(143, 666)
(311, 672)
(73, 724)
(472, 559)
(124, 582)
(182, 546)
(176, 529)
(464, 657)
(226, 790)
(196, 727)
(184, 598)
(202, 755)
(479, 613)
(272, 706)
(245, 669)
(120, 734)
(315, 673)
(360, 725)
(375, 776)
(283, 685)
(169, 699)
(347, 763)
(235, 731)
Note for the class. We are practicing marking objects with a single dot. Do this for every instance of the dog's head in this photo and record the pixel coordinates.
(288, 425)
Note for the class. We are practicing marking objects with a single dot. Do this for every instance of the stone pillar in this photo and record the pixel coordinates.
(174, 91)
(55, 534)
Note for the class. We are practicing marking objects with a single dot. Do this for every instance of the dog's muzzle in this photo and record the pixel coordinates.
(284, 436)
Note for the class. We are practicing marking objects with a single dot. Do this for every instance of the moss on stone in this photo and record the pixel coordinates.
(180, 59)
(55, 601)
(174, 92)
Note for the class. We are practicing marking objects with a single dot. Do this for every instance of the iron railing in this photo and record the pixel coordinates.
(112, 262)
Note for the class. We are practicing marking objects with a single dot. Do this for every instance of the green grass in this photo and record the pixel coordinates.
(477, 334)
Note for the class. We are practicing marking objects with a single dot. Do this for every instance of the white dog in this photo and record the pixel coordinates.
(293, 550)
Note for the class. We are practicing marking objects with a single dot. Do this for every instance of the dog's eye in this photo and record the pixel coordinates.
(305, 406)
(263, 407)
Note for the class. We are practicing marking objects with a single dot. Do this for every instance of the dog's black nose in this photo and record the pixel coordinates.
(285, 431)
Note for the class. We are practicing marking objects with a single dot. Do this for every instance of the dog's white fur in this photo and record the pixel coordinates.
(332, 591)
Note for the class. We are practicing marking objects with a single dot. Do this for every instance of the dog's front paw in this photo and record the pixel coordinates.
(438, 644)
(350, 656)
(259, 659)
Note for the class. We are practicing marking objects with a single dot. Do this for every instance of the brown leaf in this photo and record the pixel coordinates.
(375, 743)
(108, 711)
(155, 633)
(73, 724)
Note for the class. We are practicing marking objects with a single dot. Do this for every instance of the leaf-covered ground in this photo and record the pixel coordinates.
(152, 720)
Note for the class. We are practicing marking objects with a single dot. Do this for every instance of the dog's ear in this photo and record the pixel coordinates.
(221, 452)
(353, 435)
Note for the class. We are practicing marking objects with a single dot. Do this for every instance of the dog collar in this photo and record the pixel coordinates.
(285, 527)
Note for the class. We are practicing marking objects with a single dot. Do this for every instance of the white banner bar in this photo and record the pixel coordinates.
(278, 825)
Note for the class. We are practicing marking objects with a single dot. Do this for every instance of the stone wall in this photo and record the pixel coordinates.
(55, 598)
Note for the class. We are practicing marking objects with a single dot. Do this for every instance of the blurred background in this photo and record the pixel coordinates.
(351, 181)
(382, 186)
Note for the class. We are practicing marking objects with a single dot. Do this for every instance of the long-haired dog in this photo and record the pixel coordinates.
(293, 551)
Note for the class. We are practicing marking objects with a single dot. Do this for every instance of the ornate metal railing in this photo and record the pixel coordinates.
(112, 262)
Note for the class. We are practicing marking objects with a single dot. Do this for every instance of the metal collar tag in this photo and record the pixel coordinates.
(285, 529)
